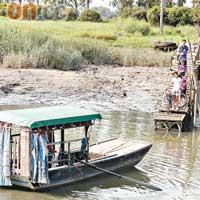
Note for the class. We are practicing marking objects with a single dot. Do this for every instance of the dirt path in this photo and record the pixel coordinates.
(100, 88)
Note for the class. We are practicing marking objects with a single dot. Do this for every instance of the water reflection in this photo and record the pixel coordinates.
(172, 164)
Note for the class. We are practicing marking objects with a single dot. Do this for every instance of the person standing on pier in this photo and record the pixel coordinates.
(182, 68)
(182, 52)
(176, 91)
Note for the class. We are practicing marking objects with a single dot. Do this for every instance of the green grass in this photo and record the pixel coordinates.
(103, 31)
(84, 42)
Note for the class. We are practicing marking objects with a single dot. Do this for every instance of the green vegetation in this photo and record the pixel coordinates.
(62, 37)
(134, 26)
(22, 48)
(173, 16)
(137, 13)
(90, 16)
(2, 9)
(68, 45)
(69, 14)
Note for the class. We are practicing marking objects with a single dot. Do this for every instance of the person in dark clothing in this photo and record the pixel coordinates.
(182, 52)
(183, 83)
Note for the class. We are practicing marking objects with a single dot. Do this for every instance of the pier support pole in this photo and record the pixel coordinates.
(195, 109)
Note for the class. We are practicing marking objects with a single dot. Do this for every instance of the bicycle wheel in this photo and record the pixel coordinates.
(183, 101)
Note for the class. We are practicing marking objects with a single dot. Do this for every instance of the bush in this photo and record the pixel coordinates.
(3, 9)
(90, 15)
(137, 13)
(70, 14)
(105, 13)
(141, 57)
(23, 48)
(41, 12)
(92, 51)
(133, 26)
(173, 16)
(104, 36)
(195, 13)
(153, 15)
(49, 12)
(29, 49)
(180, 16)
(99, 36)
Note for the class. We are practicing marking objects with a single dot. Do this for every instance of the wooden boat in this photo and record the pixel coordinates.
(41, 156)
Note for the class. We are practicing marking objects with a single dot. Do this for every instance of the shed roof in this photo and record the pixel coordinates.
(47, 116)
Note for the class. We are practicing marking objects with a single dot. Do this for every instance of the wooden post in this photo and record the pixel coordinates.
(86, 136)
(14, 155)
(161, 15)
(25, 152)
(62, 140)
(62, 146)
(18, 155)
(195, 109)
(69, 157)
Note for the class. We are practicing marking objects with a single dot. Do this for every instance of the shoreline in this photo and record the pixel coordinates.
(102, 88)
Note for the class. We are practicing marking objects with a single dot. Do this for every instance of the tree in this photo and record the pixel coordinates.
(122, 3)
(88, 4)
(74, 4)
(78, 4)
(169, 3)
(105, 12)
(148, 3)
(181, 2)
(196, 3)
(151, 3)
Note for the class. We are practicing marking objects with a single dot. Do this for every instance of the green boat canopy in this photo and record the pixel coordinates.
(47, 116)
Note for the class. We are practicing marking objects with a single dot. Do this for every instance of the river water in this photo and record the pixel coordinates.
(172, 164)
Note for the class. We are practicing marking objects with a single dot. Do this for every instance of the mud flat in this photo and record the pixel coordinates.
(104, 88)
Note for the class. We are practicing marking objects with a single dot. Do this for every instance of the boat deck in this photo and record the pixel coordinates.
(116, 147)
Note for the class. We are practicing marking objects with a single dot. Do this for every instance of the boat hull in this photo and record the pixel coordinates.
(63, 176)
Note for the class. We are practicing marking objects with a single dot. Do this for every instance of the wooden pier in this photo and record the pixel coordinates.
(186, 116)
(168, 122)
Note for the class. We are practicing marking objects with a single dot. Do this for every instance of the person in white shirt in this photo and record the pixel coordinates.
(176, 90)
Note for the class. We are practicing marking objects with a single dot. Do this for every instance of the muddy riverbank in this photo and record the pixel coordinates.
(104, 88)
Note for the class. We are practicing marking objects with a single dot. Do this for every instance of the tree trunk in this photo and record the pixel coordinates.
(87, 4)
(76, 6)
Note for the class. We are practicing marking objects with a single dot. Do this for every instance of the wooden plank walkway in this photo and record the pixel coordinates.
(169, 117)
(169, 121)
(175, 119)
